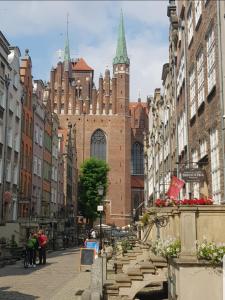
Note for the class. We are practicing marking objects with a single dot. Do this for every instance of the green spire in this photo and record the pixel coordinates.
(67, 49)
(121, 50)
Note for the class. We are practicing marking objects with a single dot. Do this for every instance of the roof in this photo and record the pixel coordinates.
(136, 104)
(137, 181)
(81, 65)
(121, 50)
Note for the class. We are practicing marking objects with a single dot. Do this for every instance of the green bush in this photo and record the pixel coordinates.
(126, 245)
(145, 219)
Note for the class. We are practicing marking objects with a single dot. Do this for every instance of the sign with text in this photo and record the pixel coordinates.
(100, 208)
(87, 257)
(193, 175)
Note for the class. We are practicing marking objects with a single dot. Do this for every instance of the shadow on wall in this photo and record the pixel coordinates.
(6, 294)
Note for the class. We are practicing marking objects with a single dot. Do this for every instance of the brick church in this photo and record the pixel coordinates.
(108, 126)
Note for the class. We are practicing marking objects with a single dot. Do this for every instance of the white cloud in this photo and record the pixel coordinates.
(93, 29)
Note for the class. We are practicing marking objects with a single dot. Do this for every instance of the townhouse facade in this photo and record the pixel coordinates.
(55, 198)
(10, 125)
(139, 128)
(38, 146)
(25, 193)
(192, 100)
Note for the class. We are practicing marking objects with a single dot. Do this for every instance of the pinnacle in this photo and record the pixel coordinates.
(121, 51)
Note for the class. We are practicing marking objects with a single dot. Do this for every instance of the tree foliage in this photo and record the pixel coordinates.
(93, 173)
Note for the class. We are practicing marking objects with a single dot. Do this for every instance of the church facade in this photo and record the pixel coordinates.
(101, 119)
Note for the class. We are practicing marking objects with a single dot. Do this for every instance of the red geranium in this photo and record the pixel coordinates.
(201, 201)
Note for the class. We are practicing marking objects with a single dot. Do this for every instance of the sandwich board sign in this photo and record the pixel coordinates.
(87, 256)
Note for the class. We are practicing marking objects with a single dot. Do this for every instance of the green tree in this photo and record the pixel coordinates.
(93, 173)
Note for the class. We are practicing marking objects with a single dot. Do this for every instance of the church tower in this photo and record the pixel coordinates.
(101, 118)
(121, 66)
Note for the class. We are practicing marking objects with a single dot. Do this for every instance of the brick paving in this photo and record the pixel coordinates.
(59, 279)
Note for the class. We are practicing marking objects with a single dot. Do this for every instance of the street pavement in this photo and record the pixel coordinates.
(59, 279)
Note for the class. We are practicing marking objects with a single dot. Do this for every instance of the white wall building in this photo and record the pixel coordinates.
(10, 129)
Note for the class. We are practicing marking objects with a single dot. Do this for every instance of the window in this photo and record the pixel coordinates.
(2, 70)
(137, 159)
(1, 133)
(41, 137)
(47, 171)
(181, 76)
(17, 141)
(198, 11)
(15, 173)
(39, 167)
(200, 78)
(35, 165)
(192, 93)
(18, 112)
(36, 133)
(203, 148)
(211, 61)
(8, 171)
(2, 102)
(9, 137)
(182, 132)
(215, 165)
(98, 145)
(1, 169)
(194, 159)
(190, 25)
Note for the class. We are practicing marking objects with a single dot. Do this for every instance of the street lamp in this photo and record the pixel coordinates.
(100, 209)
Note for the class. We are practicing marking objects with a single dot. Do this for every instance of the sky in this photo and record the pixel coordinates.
(40, 26)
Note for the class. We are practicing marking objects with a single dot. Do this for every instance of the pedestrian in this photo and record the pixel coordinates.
(85, 243)
(42, 241)
(32, 246)
(64, 241)
(36, 245)
(93, 234)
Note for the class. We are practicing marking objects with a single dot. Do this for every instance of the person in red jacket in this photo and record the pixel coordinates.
(42, 240)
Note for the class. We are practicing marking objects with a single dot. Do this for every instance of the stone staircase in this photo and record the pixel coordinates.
(135, 270)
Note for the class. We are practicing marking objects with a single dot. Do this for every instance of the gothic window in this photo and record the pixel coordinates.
(137, 159)
(98, 145)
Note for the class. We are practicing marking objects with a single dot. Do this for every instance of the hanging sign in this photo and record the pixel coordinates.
(193, 175)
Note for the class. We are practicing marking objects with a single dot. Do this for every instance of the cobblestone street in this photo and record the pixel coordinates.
(60, 279)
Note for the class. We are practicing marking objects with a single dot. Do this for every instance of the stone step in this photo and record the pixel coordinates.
(135, 274)
(112, 287)
(134, 271)
(131, 254)
(146, 265)
(159, 264)
(122, 280)
(155, 258)
(136, 277)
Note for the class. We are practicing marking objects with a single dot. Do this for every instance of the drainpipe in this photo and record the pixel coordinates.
(221, 79)
(175, 96)
(188, 191)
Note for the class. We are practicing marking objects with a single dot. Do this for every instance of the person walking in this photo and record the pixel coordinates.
(93, 234)
(42, 241)
(32, 245)
(36, 245)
